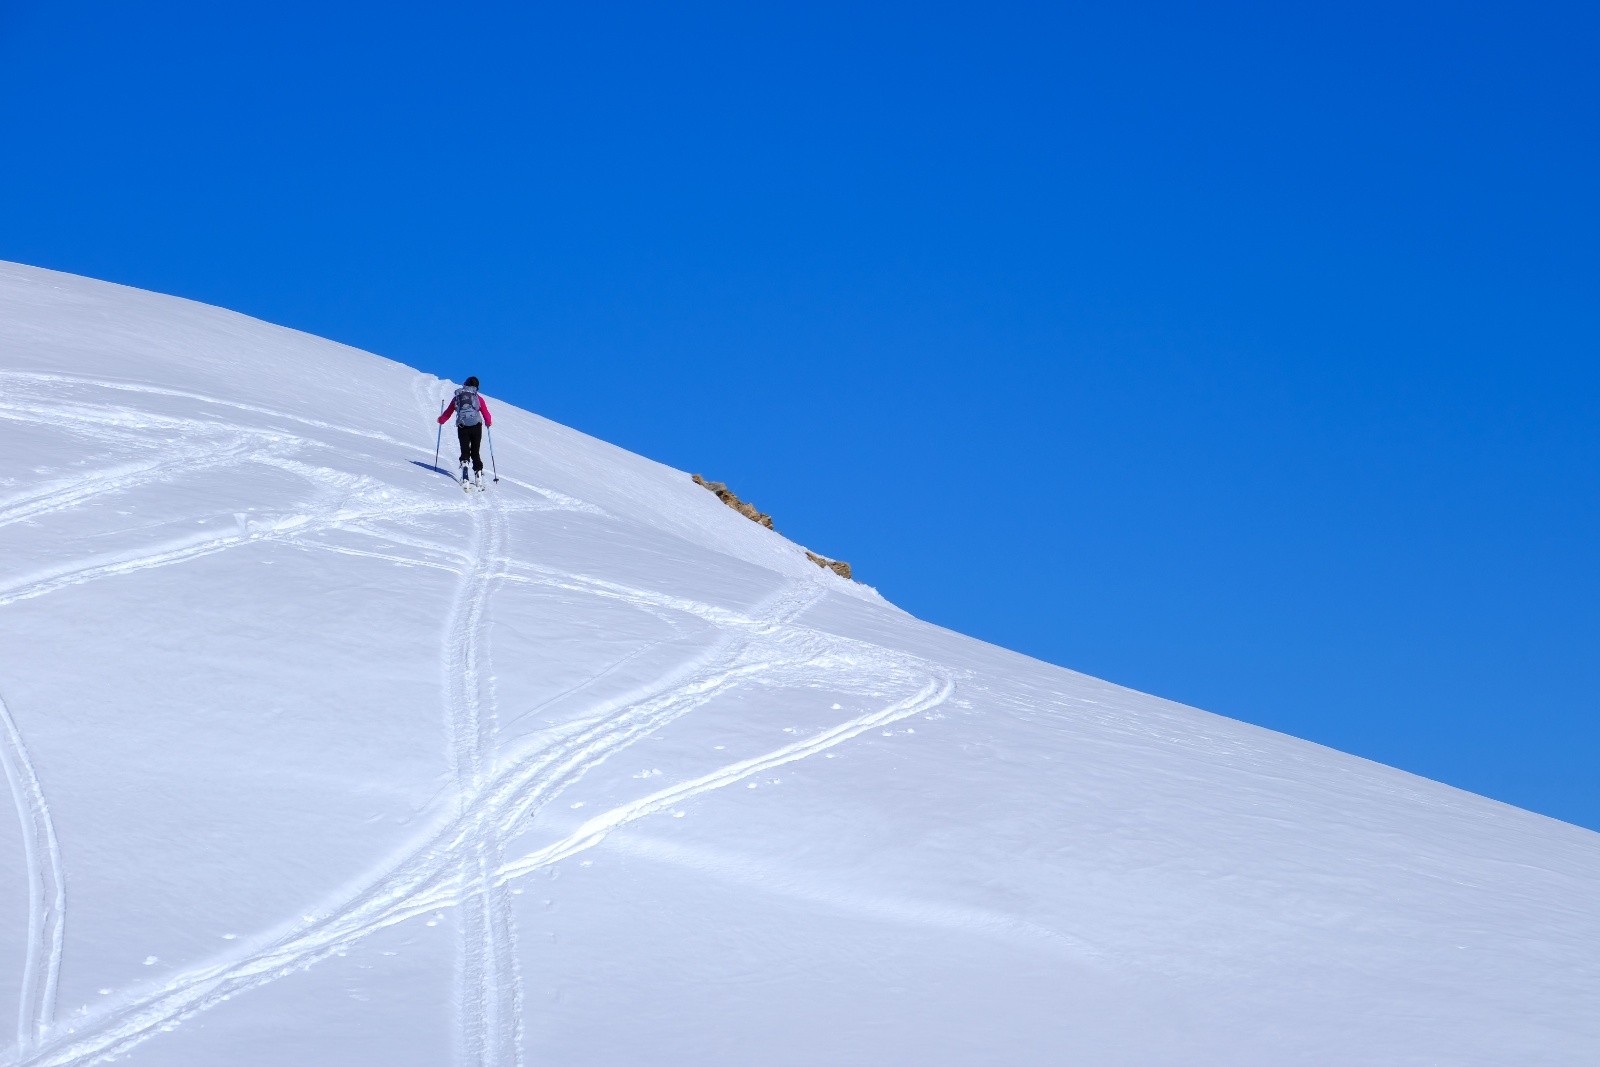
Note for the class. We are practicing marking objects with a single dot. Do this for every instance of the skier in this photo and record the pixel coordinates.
(472, 415)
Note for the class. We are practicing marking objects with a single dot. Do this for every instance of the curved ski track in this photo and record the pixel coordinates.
(463, 862)
(47, 888)
(67, 495)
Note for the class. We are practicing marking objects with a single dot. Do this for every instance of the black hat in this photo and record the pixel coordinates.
(471, 383)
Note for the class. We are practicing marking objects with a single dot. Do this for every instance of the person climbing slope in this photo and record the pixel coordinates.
(472, 415)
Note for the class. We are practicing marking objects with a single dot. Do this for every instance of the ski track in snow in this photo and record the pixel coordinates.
(291, 528)
(288, 529)
(463, 863)
(430, 880)
(69, 494)
(602, 826)
(489, 1001)
(21, 379)
(47, 892)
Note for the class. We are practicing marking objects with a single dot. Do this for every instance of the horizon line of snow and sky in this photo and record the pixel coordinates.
(1240, 356)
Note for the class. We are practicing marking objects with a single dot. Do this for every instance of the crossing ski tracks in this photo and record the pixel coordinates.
(464, 864)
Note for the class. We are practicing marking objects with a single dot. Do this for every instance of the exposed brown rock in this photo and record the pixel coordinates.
(726, 495)
(837, 566)
(749, 511)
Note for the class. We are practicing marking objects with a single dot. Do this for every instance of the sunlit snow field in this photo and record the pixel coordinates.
(317, 759)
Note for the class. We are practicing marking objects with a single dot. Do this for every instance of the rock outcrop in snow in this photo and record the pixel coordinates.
(755, 515)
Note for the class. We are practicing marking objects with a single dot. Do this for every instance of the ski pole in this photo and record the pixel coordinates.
(492, 465)
(437, 438)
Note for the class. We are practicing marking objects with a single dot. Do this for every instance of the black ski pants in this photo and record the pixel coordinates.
(471, 438)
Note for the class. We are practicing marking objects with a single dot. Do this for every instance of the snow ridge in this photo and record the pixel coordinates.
(1040, 866)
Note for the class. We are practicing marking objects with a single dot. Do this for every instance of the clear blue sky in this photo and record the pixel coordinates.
(1241, 353)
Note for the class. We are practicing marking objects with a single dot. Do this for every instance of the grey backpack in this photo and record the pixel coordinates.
(466, 402)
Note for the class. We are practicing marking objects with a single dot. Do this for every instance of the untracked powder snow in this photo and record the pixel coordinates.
(315, 759)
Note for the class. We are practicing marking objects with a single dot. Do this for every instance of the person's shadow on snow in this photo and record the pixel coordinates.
(436, 470)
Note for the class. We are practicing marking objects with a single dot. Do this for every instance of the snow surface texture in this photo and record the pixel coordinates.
(317, 760)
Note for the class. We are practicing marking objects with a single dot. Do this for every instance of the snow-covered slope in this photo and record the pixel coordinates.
(318, 760)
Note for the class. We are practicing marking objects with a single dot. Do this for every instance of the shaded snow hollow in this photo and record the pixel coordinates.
(318, 760)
